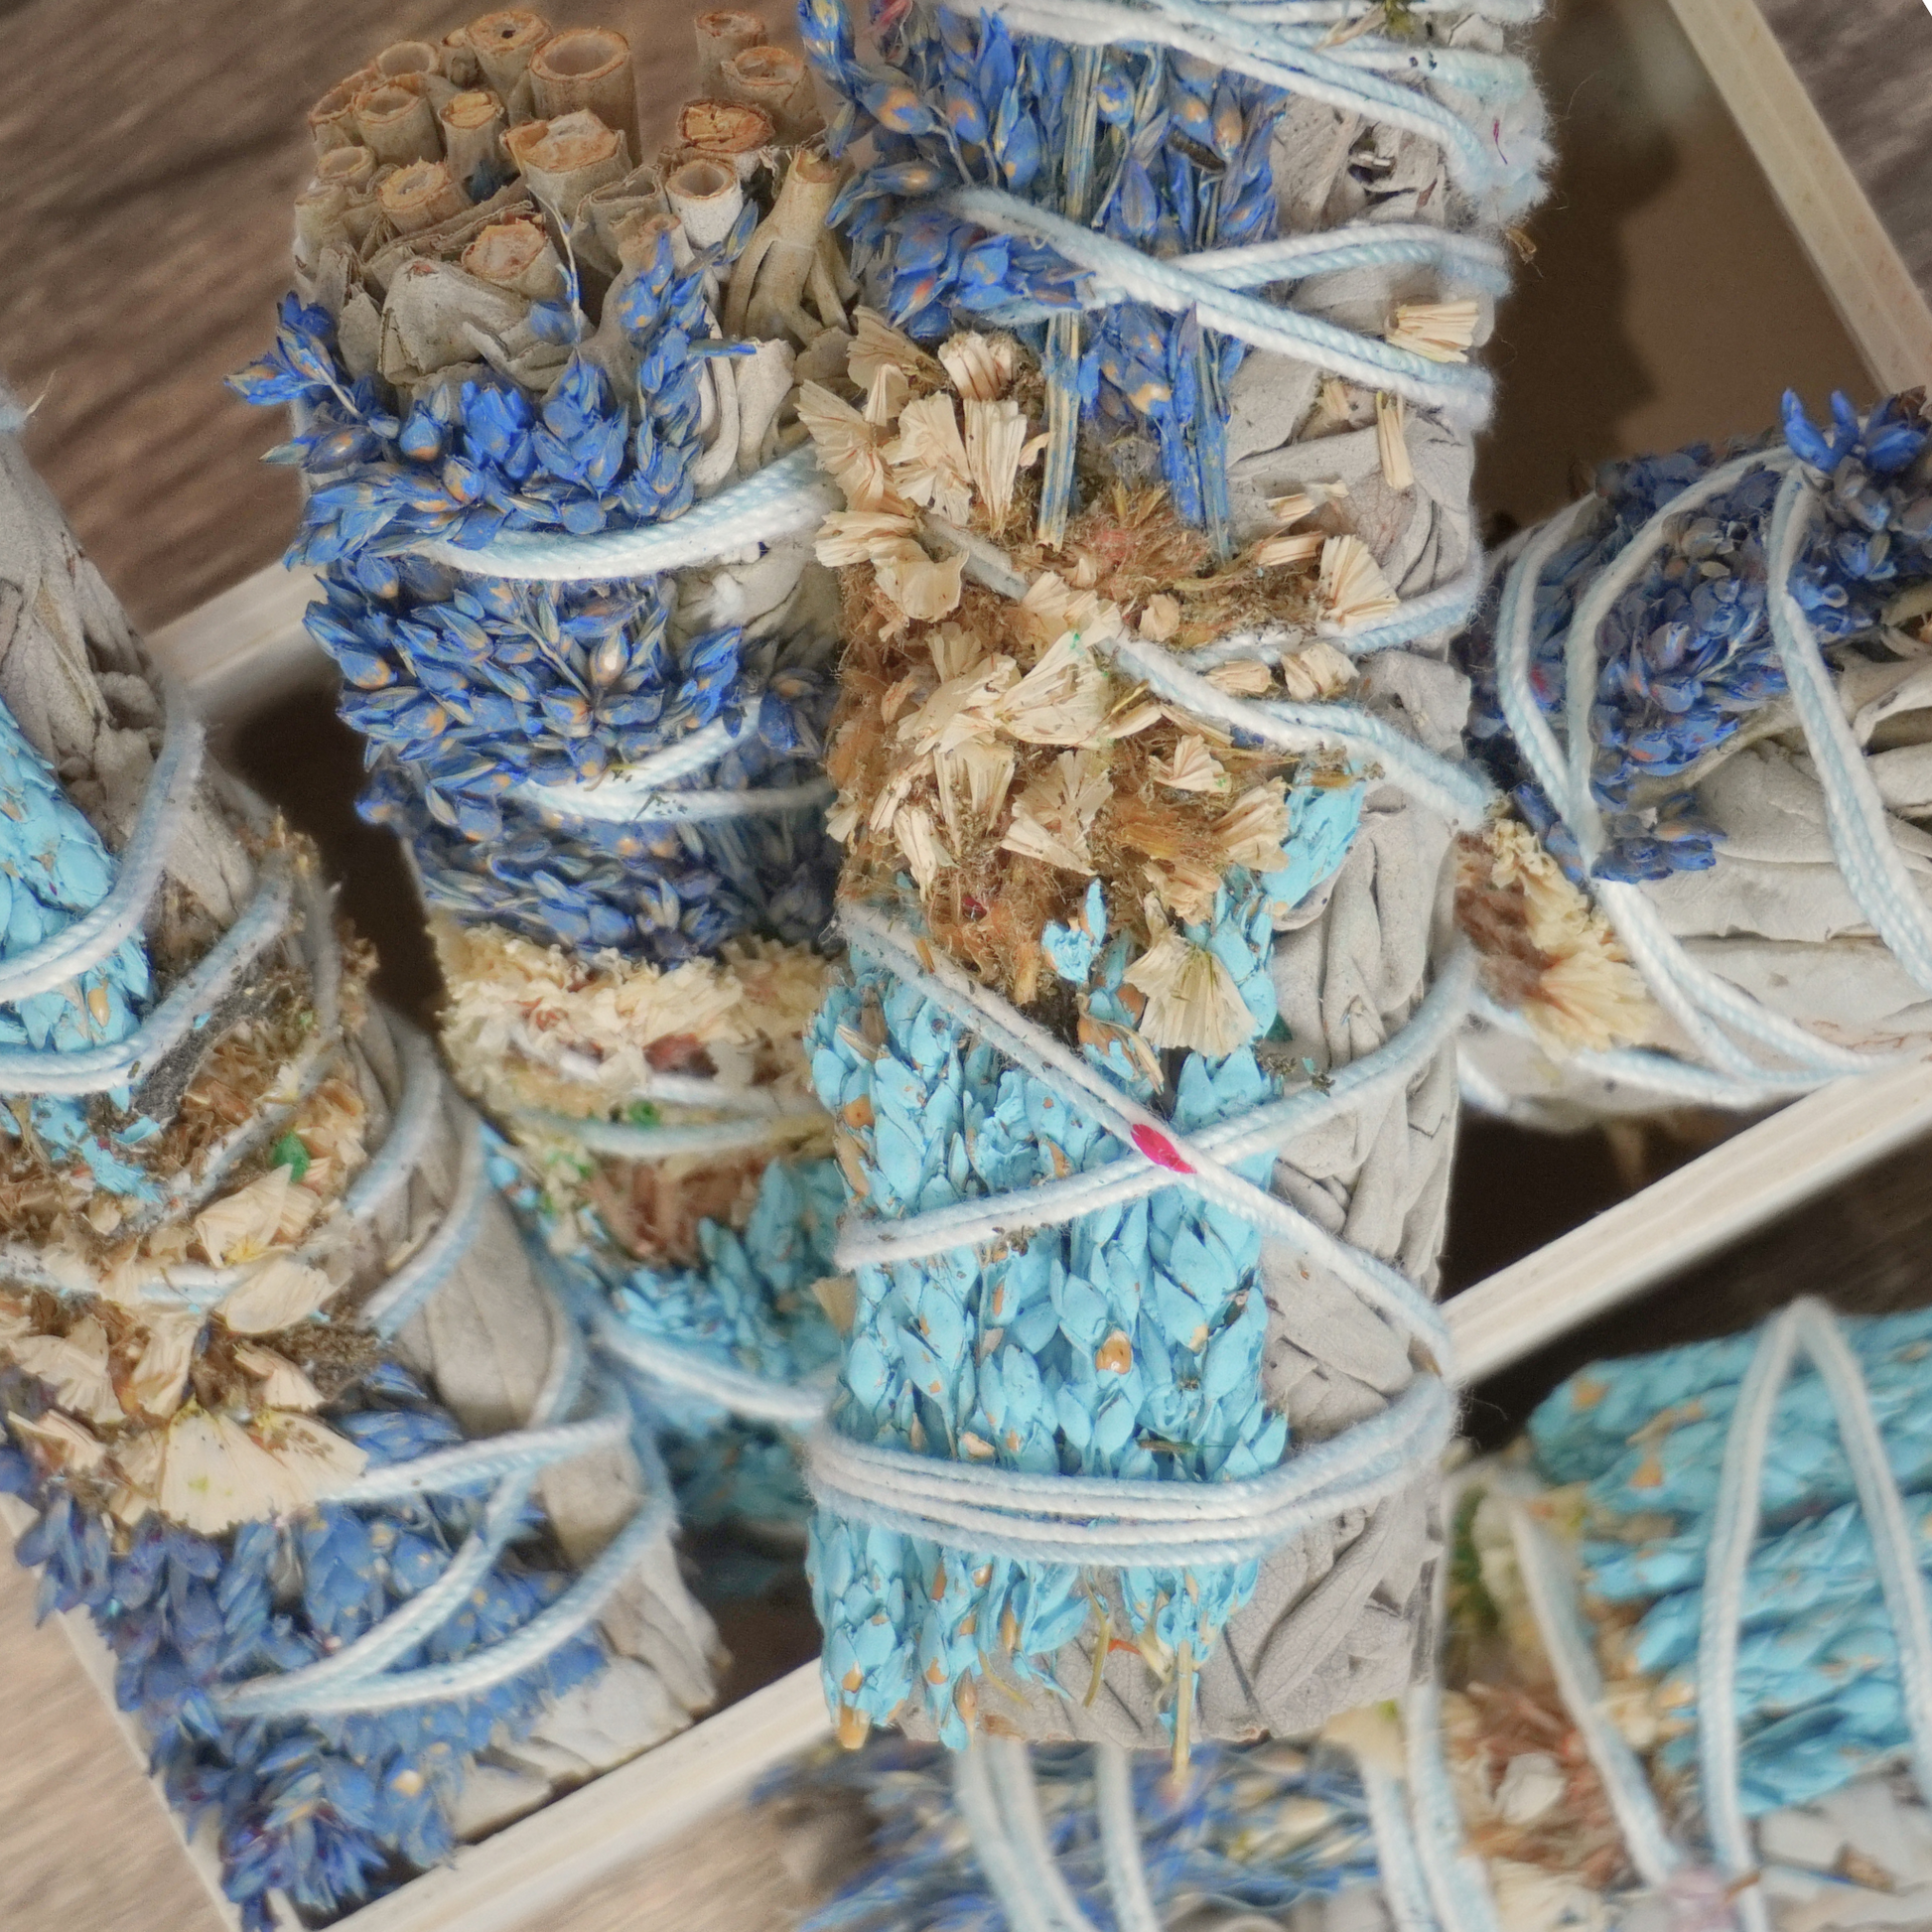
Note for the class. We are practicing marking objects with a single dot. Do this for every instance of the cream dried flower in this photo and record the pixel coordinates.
(955, 650)
(1588, 996)
(848, 449)
(276, 1294)
(1192, 1001)
(1185, 887)
(996, 438)
(1052, 607)
(1440, 332)
(912, 689)
(1132, 713)
(244, 1225)
(1392, 441)
(859, 536)
(74, 1367)
(983, 770)
(921, 588)
(1315, 672)
(1255, 828)
(1241, 677)
(284, 1386)
(888, 395)
(1352, 589)
(927, 459)
(896, 791)
(843, 820)
(1192, 767)
(160, 1376)
(1064, 699)
(877, 346)
(963, 709)
(918, 838)
(980, 367)
(214, 1473)
(1054, 815)
(1289, 552)
(1161, 617)
(60, 1441)
(529, 1026)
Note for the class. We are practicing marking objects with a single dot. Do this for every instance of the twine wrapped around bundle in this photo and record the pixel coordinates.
(301, 1431)
(563, 529)
(1146, 778)
(1706, 685)
(1263, 1836)
(1686, 1686)
(1684, 1683)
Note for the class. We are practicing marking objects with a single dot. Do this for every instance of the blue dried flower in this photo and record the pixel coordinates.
(1127, 1343)
(1817, 1683)
(55, 870)
(1686, 653)
(1180, 158)
(328, 1810)
(1209, 1833)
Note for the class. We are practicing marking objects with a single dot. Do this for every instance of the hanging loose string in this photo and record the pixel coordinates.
(1024, 1903)
(1756, 1053)
(1120, 1840)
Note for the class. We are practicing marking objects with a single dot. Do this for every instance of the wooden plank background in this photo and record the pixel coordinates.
(145, 230)
(1866, 70)
(151, 150)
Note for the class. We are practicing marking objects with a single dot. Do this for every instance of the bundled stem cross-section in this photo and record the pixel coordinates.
(299, 1429)
(1154, 465)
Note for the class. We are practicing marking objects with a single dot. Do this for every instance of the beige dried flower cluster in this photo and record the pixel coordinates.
(986, 748)
(1534, 1805)
(539, 1037)
(936, 449)
(197, 1414)
(529, 1026)
(1545, 950)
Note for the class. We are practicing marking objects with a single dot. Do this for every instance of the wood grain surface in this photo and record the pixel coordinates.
(1868, 72)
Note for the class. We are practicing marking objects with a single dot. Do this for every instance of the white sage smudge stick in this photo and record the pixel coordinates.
(1716, 887)
(1228, 595)
(206, 1269)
